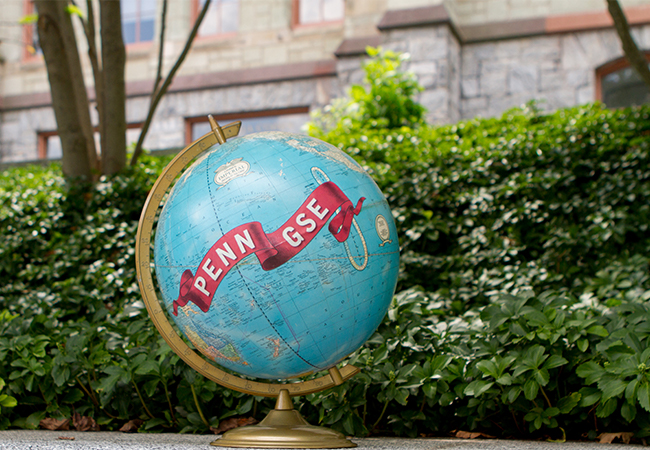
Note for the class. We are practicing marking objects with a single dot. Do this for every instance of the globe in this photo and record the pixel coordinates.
(276, 255)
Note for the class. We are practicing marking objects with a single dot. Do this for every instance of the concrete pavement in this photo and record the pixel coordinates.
(75, 440)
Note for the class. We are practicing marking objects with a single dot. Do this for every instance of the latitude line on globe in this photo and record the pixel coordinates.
(243, 262)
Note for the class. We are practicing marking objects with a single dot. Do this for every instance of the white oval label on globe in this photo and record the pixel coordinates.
(231, 170)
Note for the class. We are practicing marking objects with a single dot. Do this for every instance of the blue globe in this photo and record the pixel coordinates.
(276, 255)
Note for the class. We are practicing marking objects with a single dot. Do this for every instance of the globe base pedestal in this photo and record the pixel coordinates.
(283, 427)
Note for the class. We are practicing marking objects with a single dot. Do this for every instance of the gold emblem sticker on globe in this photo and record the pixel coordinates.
(383, 230)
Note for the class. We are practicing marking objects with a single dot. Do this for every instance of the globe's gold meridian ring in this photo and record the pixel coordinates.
(158, 315)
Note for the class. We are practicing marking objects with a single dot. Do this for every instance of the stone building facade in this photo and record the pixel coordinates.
(473, 57)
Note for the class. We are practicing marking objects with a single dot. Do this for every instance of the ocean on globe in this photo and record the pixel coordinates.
(276, 255)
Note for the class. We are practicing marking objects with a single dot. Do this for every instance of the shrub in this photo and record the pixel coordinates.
(527, 366)
(387, 102)
(74, 333)
(544, 200)
(520, 235)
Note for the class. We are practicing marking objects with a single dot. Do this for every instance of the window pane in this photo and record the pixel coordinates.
(199, 129)
(138, 20)
(229, 16)
(128, 32)
(147, 20)
(146, 30)
(289, 123)
(315, 11)
(309, 11)
(129, 9)
(147, 9)
(332, 10)
(54, 150)
(35, 43)
(210, 24)
(222, 17)
(54, 147)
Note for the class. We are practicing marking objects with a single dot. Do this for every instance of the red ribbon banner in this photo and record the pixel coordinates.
(272, 250)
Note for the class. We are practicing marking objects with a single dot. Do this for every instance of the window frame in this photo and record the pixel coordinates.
(610, 67)
(28, 32)
(225, 119)
(42, 143)
(42, 138)
(295, 17)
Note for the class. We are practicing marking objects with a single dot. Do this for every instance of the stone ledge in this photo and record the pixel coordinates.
(257, 75)
(105, 440)
(502, 30)
(357, 46)
(414, 17)
(39, 99)
(508, 29)
(264, 74)
(636, 15)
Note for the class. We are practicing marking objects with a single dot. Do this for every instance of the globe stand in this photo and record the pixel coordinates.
(283, 427)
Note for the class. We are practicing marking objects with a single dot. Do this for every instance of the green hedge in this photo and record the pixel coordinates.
(547, 199)
(522, 308)
(522, 305)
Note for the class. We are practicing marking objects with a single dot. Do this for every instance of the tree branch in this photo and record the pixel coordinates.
(157, 96)
(161, 47)
(89, 30)
(635, 57)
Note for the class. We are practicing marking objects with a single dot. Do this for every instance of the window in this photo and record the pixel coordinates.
(30, 33)
(49, 145)
(49, 142)
(138, 20)
(618, 85)
(289, 120)
(222, 17)
(308, 12)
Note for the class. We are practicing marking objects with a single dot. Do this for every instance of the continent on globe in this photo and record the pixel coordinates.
(246, 269)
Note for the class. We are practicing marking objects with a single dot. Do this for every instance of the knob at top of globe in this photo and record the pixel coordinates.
(276, 255)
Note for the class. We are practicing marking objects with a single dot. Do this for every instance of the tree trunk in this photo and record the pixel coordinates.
(91, 38)
(114, 101)
(69, 97)
(635, 57)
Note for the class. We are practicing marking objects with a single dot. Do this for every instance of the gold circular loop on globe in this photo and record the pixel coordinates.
(158, 314)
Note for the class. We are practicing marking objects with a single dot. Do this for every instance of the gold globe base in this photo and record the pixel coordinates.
(283, 427)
